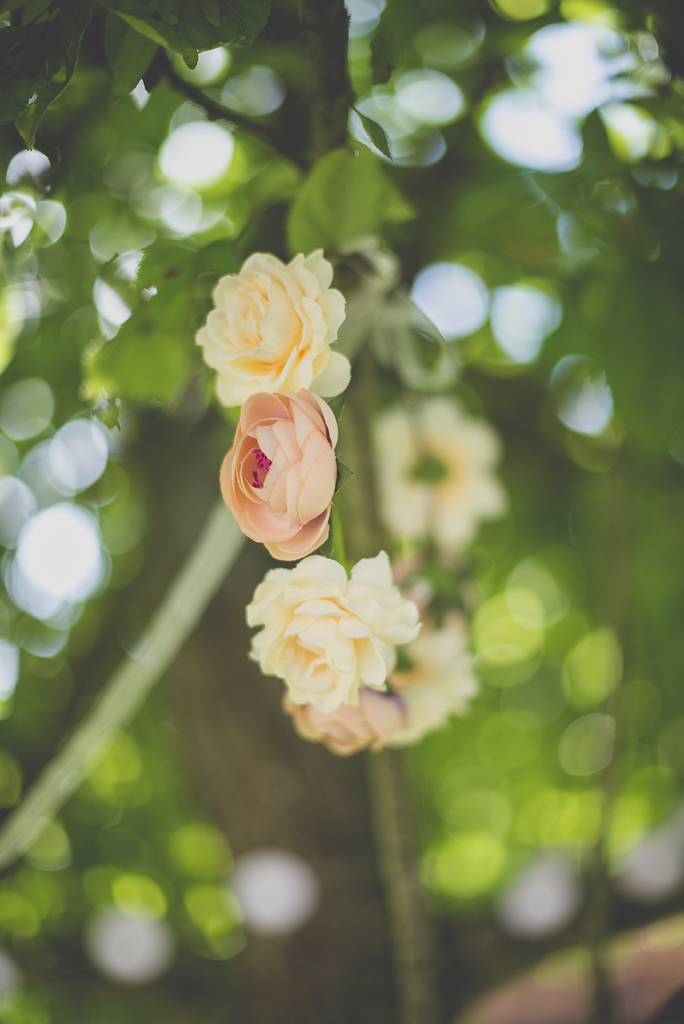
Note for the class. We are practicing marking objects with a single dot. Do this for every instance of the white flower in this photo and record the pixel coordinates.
(435, 468)
(439, 684)
(272, 328)
(324, 635)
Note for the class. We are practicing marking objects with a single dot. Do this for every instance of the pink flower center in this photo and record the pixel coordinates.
(263, 466)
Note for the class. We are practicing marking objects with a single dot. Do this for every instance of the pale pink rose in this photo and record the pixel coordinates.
(279, 477)
(351, 728)
(272, 329)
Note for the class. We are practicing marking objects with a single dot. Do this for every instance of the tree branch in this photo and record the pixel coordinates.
(326, 33)
(198, 579)
(217, 112)
(410, 928)
(412, 939)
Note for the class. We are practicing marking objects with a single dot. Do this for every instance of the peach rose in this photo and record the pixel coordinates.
(279, 477)
(325, 635)
(272, 329)
(370, 723)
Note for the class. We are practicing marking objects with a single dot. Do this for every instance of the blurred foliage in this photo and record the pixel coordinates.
(574, 746)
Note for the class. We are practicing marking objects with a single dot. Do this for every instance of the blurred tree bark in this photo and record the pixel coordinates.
(266, 787)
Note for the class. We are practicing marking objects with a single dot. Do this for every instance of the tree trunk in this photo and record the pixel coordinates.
(266, 787)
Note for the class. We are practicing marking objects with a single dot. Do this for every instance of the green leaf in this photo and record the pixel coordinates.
(344, 473)
(37, 62)
(151, 356)
(187, 26)
(376, 133)
(129, 53)
(382, 59)
(336, 404)
(639, 347)
(345, 198)
(326, 549)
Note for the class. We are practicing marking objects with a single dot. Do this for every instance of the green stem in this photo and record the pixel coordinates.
(200, 576)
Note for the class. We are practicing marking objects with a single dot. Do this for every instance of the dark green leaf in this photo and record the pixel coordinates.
(218, 258)
(382, 63)
(187, 26)
(344, 473)
(128, 52)
(345, 198)
(376, 133)
(37, 62)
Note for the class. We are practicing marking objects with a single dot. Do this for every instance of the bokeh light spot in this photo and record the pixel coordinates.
(542, 899)
(586, 746)
(26, 409)
(59, 553)
(277, 890)
(197, 154)
(453, 297)
(201, 851)
(522, 317)
(466, 865)
(128, 949)
(78, 455)
(255, 92)
(593, 668)
(522, 130)
(430, 97)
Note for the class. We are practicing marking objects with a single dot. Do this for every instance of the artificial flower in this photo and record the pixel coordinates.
(279, 477)
(352, 727)
(326, 635)
(272, 329)
(436, 473)
(439, 683)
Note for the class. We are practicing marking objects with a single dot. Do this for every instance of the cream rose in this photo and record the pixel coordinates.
(272, 329)
(370, 723)
(325, 635)
(436, 472)
(439, 684)
(279, 477)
